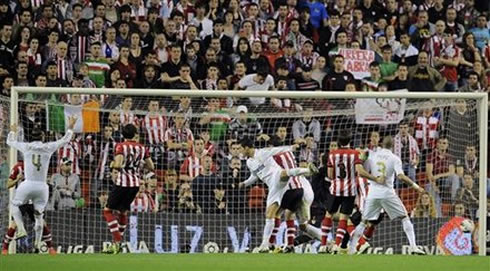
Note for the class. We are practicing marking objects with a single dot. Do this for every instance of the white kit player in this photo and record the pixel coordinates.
(36, 164)
(262, 166)
(382, 195)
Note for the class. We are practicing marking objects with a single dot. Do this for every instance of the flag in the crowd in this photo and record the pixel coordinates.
(87, 117)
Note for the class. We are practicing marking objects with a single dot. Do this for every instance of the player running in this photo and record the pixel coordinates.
(382, 195)
(37, 155)
(126, 176)
(262, 166)
(16, 177)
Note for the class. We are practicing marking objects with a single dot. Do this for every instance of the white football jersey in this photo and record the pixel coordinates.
(268, 171)
(383, 162)
(37, 155)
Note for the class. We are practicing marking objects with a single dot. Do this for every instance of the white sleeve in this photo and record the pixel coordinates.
(53, 146)
(267, 152)
(251, 180)
(271, 82)
(243, 82)
(397, 165)
(12, 142)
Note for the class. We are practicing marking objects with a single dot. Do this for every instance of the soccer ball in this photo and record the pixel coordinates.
(467, 225)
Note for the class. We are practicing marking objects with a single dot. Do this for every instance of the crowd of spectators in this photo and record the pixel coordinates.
(432, 45)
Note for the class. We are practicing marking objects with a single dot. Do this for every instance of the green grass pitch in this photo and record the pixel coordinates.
(252, 262)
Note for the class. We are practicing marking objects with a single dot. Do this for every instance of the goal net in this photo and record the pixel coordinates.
(192, 201)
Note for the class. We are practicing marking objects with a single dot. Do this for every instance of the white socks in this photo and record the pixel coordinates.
(268, 228)
(409, 231)
(38, 228)
(17, 215)
(356, 235)
(314, 232)
(297, 171)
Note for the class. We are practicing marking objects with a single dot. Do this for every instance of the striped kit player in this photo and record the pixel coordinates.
(126, 173)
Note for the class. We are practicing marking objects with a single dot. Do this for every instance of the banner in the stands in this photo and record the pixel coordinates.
(357, 61)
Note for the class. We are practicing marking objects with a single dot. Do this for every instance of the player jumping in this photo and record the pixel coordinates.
(37, 155)
(263, 167)
(15, 178)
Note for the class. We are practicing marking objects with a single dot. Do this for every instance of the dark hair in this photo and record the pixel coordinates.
(344, 137)
(129, 131)
(334, 13)
(402, 65)
(262, 72)
(274, 141)
(474, 73)
(374, 64)
(387, 47)
(247, 142)
(37, 134)
(124, 8)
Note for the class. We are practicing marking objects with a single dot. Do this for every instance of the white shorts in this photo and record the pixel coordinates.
(392, 205)
(276, 192)
(303, 213)
(37, 192)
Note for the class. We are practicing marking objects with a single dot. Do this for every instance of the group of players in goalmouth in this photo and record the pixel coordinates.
(351, 173)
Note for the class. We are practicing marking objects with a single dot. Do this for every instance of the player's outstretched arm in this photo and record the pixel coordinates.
(365, 174)
(248, 182)
(409, 181)
(53, 146)
(12, 139)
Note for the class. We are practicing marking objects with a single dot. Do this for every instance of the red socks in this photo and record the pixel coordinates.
(123, 221)
(291, 232)
(277, 224)
(9, 236)
(113, 225)
(366, 236)
(341, 230)
(47, 238)
(326, 228)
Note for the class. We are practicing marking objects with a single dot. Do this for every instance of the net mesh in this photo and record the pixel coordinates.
(193, 204)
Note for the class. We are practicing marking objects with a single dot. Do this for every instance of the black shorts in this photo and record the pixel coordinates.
(291, 200)
(346, 204)
(27, 210)
(121, 198)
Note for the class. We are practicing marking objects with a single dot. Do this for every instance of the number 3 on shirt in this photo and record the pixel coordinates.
(36, 161)
(341, 172)
(381, 168)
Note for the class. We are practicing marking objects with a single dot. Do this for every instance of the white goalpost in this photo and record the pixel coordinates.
(184, 215)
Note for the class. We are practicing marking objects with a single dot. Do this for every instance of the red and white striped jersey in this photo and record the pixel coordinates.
(426, 131)
(143, 203)
(129, 118)
(191, 166)
(133, 154)
(72, 151)
(107, 148)
(286, 160)
(344, 181)
(179, 135)
(17, 170)
(154, 127)
(362, 192)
